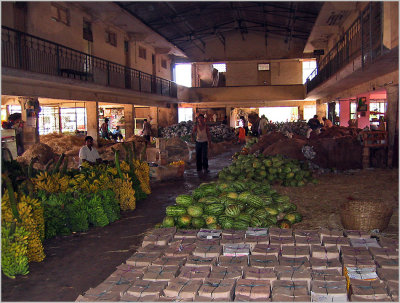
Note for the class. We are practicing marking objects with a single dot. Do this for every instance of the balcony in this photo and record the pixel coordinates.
(356, 55)
(25, 52)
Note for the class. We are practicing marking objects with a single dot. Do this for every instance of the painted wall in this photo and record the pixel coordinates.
(241, 73)
(391, 24)
(344, 112)
(167, 116)
(286, 72)
(363, 121)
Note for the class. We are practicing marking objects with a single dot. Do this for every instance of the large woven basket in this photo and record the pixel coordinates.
(365, 215)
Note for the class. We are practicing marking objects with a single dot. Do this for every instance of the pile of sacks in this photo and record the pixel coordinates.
(255, 265)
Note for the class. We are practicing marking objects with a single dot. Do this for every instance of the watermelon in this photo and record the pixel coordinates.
(255, 201)
(243, 196)
(198, 222)
(250, 210)
(168, 222)
(272, 211)
(239, 224)
(232, 195)
(210, 220)
(284, 224)
(260, 213)
(175, 210)
(244, 217)
(290, 217)
(227, 224)
(256, 222)
(195, 211)
(268, 222)
(213, 226)
(214, 209)
(184, 221)
(232, 211)
(184, 200)
(258, 191)
(209, 200)
(267, 199)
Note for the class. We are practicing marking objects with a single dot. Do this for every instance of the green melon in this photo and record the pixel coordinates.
(195, 211)
(256, 222)
(214, 209)
(175, 210)
(232, 211)
(184, 221)
(198, 222)
(168, 222)
(184, 200)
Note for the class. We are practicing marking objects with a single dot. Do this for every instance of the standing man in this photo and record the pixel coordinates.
(146, 132)
(104, 129)
(261, 125)
(314, 125)
(201, 135)
(88, 153)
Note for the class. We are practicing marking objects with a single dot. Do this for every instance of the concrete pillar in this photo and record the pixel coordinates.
(92, 117)
(321, 110)
(194, 113)
(129, 114)
(228, 114)
(153, 119)
(30, 115)
(392, 117)
(301, 112)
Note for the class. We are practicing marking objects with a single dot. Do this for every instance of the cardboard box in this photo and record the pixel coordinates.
(358, 261)
(129, 298)
(287, 261)
(324, 252)
(241, 298)
(235, 236)
(156, 239)
(388, 253)
(266, 249)
(183, 241)
(104, 296)
(336, 241)
(364, 243)
(164, 231)
(226, 272)
(389, 242)
(280, 232)
(356, 298)
(230, 232)
(332, 275)
(296, 251)
(255, 289)
(195, 261)
(143, 259)
(151, 248)
(308, 233)
(128, 272)
(231, 241)
(368, 289)
(257, 273)
(241, 261)
(263, 261)
(388, 274)
(393, 290)
(290, 288)
(207, 251)
(234, 250)
(142, 288)
(355, 251)
(209, 234)
(106, 291)
(285, 298)
(253, 231)
(194, 273)
(222, 290)
(294, 274)
(281, 241)
(326, 264)
(160, 273)
(307, 241)
(359, 273)
(181, 250)
(357, 234)
(181, 288)
(323, 291)
(186, 234)
(254, 240)
(169, 261)
(387, 263)
(207, 242)
(331, 233)
(176, 299)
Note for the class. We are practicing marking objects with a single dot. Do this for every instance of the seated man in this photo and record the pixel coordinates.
(116, 134)
(88, 153)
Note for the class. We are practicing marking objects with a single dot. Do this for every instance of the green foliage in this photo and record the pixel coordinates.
(95, 211)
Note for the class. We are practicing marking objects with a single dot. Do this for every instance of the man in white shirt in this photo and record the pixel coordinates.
(88, 153)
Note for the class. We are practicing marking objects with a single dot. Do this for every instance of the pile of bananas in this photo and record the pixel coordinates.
(142, 171)
(35, 247)
(125, 193)
(14, 248)
(177, 163)
(51, 183)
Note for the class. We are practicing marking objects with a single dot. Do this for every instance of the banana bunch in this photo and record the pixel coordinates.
(124, 167)
(37, 212)
(51, 183)
(142, 171)
(125, 193)
(14, 247)
(35, 247)
(112, 170)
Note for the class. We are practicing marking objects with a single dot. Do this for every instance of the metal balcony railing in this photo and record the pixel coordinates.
(23, 51)
(363, 38)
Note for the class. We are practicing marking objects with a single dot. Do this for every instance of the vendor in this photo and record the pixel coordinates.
(15, 122)
(88, 153)
(116, 134)
(327, 122)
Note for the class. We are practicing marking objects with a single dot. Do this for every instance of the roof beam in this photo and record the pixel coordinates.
(238, 18)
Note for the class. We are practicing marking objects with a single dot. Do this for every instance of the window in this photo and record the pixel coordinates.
(111, 38)
(309, 111)
(353, 110)
(308, 67)
(72, 119)
(59, 13)
(87, 31)
(163, 63)
(142, 52)
(221, 67)
(185, 114)
(263, 66)
(48, 120)
(183, 74)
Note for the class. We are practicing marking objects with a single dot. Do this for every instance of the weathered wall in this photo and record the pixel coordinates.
(241, 73)
(390, 24)
(167, 116)
(286, 72)
(344, 106)
(142, 112)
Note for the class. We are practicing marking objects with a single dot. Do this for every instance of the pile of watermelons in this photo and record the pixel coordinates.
(274, 169)
(232, 205)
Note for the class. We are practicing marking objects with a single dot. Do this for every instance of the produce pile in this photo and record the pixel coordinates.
(38, 205)
(219, 132)
(298, 128)
(273, 169)
(233, 205)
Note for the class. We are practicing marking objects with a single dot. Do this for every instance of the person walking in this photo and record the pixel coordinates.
(201, 135)
(146, 131)
(243, 123)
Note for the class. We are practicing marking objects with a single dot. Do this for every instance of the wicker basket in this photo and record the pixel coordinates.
(365, 215)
